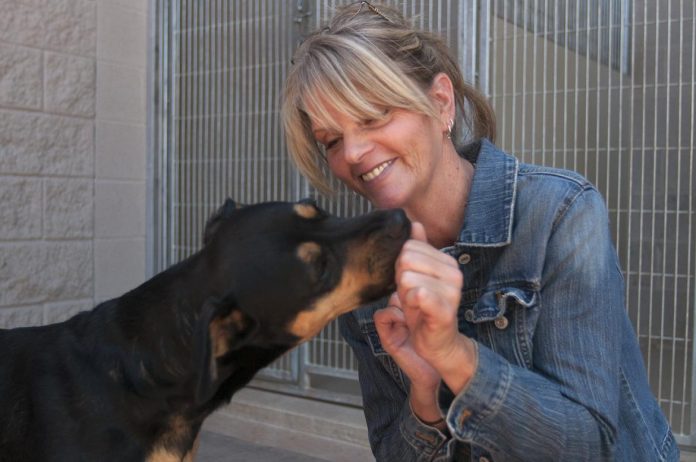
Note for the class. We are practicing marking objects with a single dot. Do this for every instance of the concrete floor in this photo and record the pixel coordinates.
(264, 426)
(261, 426)
(220, 448)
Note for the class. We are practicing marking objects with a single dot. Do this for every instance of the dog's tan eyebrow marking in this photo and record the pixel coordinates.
(308, 251)
(306, 210)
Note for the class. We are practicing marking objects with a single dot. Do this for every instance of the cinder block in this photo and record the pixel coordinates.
(69, 270)
(69, 208)
(70, 84)
(71, 26)
(22, 316)
(21, 145)
(58, 312)
(69, 146)
(22, 22)
(60, 25)
(121, 151)
(21, 279)
(35, 272)
(20, 208)
(120, 209)
(36, 143)
(20, 77)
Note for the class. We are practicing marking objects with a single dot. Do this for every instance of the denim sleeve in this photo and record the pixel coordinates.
(566, 407)
(395, 433)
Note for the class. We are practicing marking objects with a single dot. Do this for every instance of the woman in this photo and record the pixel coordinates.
(511, 342)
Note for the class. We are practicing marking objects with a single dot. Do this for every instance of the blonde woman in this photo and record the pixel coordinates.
(507, 337)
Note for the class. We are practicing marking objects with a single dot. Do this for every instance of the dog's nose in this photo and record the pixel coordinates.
(397, 224)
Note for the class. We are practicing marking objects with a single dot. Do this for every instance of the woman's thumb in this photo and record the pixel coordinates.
(418, 232)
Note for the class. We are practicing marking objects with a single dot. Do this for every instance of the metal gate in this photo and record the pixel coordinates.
(604, 87)
(219, 68)
(607, 88)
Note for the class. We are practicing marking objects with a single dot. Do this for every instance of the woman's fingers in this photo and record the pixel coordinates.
(432, 263)
(427, 251)
(391, 327)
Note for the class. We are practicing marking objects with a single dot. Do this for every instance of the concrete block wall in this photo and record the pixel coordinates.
(72, 155)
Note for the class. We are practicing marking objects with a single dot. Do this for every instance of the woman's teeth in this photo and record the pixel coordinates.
(375, 172)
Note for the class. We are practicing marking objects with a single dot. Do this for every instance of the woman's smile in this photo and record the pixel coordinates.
(376, 172)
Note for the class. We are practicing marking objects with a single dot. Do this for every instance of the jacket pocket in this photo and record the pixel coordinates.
(505, 319)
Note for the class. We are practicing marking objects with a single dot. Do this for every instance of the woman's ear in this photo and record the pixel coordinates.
(442, 94)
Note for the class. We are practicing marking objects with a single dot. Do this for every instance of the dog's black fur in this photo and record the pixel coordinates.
(134, 378)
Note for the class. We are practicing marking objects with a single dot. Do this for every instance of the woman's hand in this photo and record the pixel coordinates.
(396, 339)
(429, 285)
(395, 336)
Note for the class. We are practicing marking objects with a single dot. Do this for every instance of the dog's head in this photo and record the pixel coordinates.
(282, 271)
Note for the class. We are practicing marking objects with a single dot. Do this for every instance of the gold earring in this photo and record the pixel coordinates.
(450, 126)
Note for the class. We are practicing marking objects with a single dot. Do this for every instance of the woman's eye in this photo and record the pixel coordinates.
(377, 121)
(331, 143)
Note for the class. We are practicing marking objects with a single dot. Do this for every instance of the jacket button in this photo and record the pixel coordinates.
(469, 315)
(464, 259)
(501, 322)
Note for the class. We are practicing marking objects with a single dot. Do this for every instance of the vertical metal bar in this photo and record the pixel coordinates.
(241, 133)
(620, 199)
(631, 153)
(608, 151)
(676, 306)
(185, 158)
(641, 214)
(513, 95)
(665, 215)
(484, 41)
(544, 87)
(566, 110)
(554, 91)
(523, 93)
(576, 88)
(598, 92)
(654, 192)
(215, 195)
(208, 137)
(692, 147)
(535, 90)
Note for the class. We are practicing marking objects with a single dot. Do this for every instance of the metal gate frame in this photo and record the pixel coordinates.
(305, 370)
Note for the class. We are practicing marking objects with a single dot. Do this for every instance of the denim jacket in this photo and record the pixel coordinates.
(560, 376)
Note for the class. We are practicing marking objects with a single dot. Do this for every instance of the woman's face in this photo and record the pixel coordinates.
(391, 161)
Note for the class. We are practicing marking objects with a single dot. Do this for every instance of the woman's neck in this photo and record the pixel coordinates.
(442, 211)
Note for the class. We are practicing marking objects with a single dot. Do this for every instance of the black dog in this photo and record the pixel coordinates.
(133, 379)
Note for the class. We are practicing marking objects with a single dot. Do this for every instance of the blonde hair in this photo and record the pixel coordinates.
(365, 60)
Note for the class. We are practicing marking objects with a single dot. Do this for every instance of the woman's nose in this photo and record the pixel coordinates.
(355, 146)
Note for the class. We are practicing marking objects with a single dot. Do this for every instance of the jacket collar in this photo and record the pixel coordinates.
(489, 211)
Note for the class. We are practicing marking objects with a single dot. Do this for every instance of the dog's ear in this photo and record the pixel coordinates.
(221, 329)
(224, 211)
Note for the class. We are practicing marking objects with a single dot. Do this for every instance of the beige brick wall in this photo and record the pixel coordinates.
(72, 155)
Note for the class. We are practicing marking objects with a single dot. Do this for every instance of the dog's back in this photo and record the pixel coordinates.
(133, 379)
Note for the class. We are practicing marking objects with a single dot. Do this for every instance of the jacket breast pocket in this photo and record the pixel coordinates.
(505, 318)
